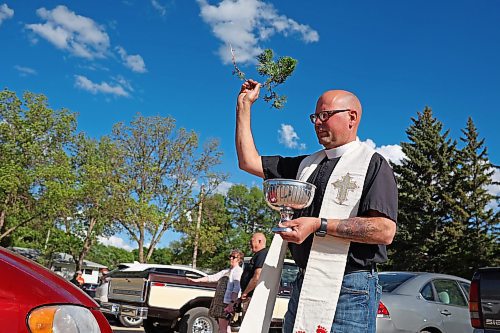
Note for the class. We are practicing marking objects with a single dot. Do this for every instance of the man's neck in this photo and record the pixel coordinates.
(340, 150)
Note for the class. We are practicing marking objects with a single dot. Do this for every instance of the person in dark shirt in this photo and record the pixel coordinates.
(251, 270)
(77, 279)
(336, 119)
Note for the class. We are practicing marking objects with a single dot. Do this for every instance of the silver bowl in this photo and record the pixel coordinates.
(286, 195)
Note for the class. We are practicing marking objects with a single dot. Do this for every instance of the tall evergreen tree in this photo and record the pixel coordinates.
(475, 207)
(426, 233)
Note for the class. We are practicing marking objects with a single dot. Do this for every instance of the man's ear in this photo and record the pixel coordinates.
(353, 118)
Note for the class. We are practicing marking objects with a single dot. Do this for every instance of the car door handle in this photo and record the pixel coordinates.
(446, 312)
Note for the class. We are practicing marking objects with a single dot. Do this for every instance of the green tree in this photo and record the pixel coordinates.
(227, 223)
(427, 237)
(249, 211)
(35, 169)
(97, 166)
(161, 167)
(475, 205)
(162, 256)
(212, 236)
(110, 256)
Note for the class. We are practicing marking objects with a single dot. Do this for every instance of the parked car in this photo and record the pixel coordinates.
(90, 288)
(423, 302)
(484, 303)
(33, 299)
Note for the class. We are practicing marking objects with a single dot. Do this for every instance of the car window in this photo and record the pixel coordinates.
(427, 293)
(449, 292)
(288, 274)
(390, 281)
(466, 287)
(165, 270)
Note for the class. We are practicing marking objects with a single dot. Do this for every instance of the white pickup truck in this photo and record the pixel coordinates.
(168, 302)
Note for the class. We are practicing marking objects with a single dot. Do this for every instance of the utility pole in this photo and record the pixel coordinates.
(198, 223)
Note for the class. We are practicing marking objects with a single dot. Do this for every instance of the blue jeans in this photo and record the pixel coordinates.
(356, 308)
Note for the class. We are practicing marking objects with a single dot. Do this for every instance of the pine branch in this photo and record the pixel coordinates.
(275, 72)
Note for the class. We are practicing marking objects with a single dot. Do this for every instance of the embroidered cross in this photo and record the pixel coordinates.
(344, 185)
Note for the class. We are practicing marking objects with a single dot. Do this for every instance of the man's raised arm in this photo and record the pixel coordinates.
(248, 157)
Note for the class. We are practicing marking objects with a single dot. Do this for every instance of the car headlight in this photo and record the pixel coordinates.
(62, 319)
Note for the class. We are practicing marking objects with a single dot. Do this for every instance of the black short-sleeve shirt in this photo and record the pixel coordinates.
(249, 268)
(379, 193)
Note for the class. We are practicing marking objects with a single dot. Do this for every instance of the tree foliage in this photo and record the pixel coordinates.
(442, 197)
(475, 205)
(96, 166)
(228, 222)
(35, 170)
(110, 256)
(161, 167)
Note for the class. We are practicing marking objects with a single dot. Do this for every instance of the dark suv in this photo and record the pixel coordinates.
(484, 302)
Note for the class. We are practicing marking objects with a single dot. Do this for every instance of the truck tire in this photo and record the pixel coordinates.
(197, 320)
(128, 321)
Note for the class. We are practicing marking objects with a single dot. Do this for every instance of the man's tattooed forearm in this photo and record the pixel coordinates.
(356, 228)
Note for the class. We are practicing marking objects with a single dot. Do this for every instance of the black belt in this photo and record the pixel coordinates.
(350, 269)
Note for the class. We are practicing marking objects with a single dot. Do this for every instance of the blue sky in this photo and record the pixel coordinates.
(109, 60)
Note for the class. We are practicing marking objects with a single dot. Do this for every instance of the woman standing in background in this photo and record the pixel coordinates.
(228, 289)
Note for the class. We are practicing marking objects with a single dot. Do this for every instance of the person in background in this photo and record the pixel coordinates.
(102, 275)
(77, 279)
(252, 270)
(228, 290)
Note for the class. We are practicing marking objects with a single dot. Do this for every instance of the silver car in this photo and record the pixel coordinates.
(424, 303)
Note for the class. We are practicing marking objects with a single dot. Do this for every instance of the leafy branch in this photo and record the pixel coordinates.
(276, 72)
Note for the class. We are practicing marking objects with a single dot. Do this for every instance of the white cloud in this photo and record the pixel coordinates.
(159, 7)
(25, 71)
(288, 137)
(134, 62)
(494, 190)
(244, 24)
(5, 13)
(106, 88)
(74, 33)
(392, 153)
(116, 242)
(223, 187)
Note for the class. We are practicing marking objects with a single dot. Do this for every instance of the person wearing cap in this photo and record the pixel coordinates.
(354, 209)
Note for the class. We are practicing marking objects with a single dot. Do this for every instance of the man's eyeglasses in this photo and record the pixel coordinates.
(233, 257)
(325, 115)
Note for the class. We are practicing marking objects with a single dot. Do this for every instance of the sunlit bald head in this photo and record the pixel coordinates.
(341, 127)
(258, 242)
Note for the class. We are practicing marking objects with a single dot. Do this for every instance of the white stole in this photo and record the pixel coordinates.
(328, 256)
(325, 268)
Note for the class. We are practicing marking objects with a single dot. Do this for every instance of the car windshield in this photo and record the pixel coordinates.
(390, 281)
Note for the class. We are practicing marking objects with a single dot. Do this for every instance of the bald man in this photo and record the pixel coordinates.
(335, 120)
(251, 272)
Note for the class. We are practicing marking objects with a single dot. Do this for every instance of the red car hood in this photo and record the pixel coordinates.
(32, 284)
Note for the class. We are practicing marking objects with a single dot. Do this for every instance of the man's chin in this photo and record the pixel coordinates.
(324, 141)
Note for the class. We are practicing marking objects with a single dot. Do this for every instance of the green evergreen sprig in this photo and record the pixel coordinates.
(276, 73)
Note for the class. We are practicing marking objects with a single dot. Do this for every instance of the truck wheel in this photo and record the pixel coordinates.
(197, 320)
(129, 321)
